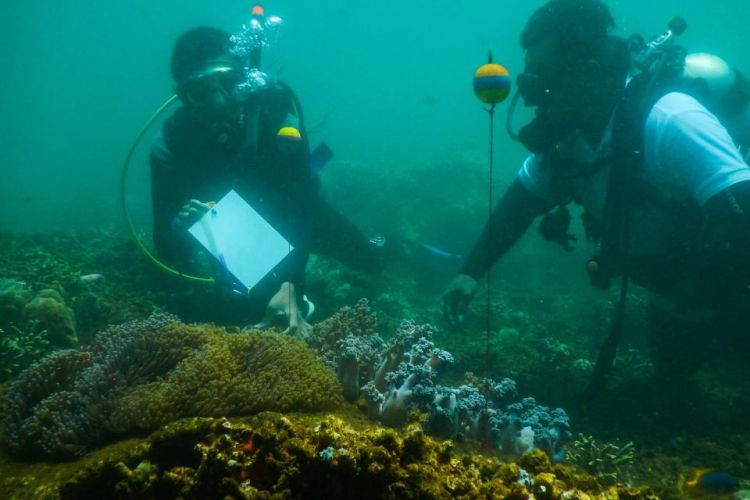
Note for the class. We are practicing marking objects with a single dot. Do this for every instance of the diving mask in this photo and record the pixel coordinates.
(200, 89)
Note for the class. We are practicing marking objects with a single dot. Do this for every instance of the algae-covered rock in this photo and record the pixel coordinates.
(575, 495)
(547, 486)
(276, 456)
(13, 298)
(29, 328)
(536, 462)
(49, 312)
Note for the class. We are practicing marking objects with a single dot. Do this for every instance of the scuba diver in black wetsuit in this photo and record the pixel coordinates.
(654, 162)
(223, 139)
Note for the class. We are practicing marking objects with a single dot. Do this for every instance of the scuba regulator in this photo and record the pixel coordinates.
(649, 57)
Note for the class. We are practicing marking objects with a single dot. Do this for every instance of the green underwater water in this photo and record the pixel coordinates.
(388, 86)
(388, 83)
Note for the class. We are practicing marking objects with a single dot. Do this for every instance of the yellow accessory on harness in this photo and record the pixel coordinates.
(289, 134)
(289, 139)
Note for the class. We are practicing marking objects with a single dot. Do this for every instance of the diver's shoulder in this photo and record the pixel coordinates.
(680, 113)
(276, 102)
(676, 104)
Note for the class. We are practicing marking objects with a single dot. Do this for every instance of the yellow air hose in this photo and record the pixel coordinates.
(123, 189)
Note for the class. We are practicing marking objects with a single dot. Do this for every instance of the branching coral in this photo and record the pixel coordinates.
(526, 425)
(355, 362)
(401, 376)
(610, 462)
(358, 321)
(405, 379)
(28, 328)
(142, 374)
(348, 342)
(13, 298)
(21, 341)
(18, 348)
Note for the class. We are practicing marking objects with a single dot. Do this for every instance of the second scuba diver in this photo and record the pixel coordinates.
(655, 164)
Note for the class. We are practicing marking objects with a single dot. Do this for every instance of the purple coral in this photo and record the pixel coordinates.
(348, 343)
(42, 399)
(407, 373)
(59, 405)
(403, 376)
(501, 392)
(355, 362)
(444, 415)
(526, 425)
(473, 412)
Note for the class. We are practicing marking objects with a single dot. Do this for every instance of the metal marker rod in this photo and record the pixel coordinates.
(490, 208)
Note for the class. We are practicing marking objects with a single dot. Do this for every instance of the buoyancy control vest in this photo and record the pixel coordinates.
(679, 272)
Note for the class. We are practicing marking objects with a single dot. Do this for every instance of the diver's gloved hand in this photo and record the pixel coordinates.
(189, 214)
(283, 306)
(457, 297)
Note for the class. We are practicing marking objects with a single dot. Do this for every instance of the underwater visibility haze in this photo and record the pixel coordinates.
(346, 379)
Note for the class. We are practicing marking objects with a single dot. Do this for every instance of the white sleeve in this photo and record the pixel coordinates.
(539, 183)
(687, 148)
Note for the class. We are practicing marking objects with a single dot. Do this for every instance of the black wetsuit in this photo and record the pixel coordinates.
(190, 161)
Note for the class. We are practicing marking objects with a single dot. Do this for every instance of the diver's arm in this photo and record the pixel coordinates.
(331, 233)
(511, 218)
(336, 236)
(167, 200)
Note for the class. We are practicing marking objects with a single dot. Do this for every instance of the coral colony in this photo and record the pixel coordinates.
(147, 373)
(144, 374)
(401, 375)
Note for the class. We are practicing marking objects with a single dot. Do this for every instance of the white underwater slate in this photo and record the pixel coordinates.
(240, 239)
